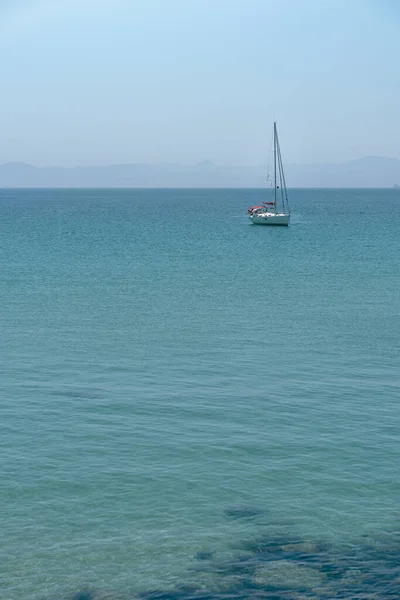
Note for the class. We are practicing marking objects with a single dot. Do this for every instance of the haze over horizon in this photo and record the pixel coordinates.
(98, 82)
(365, 172)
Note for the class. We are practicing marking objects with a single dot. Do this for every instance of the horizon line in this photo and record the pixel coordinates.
(158, 188)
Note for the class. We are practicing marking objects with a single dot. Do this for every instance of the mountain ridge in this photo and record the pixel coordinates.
(368, 171)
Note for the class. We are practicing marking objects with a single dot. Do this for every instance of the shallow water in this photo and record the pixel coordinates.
(194, 406)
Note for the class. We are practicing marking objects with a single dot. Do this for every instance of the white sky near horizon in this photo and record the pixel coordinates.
(114, 81)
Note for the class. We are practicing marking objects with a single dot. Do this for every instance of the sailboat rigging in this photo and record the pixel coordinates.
(267, 213)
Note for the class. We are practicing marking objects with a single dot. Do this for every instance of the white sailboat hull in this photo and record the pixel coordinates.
(270, 219)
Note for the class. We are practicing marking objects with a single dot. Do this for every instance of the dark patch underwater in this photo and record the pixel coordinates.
(279, 567)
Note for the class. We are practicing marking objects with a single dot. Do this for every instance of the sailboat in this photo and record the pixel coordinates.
(267, 213)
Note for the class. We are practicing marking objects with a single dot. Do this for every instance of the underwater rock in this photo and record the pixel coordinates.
(100, 595)
(303, 547)
(204, 555)
(353, 577)
(243, 512)
(286, 574)
(84, 595)
(272, 547)
(279, 565)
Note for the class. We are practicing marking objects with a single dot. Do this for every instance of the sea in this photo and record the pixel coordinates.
(196, 408)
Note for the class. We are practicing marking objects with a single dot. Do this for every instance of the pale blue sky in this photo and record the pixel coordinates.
(110, 81)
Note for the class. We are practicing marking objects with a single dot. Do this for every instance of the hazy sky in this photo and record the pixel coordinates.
(110, 81)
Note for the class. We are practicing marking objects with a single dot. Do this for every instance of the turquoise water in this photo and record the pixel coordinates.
(193, 406)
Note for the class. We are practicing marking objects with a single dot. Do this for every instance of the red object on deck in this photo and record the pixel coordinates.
(253, 208)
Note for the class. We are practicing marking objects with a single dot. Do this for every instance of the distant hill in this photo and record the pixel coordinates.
(364, 172)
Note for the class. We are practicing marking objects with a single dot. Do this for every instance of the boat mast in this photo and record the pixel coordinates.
(275, 166)
(282, 178)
